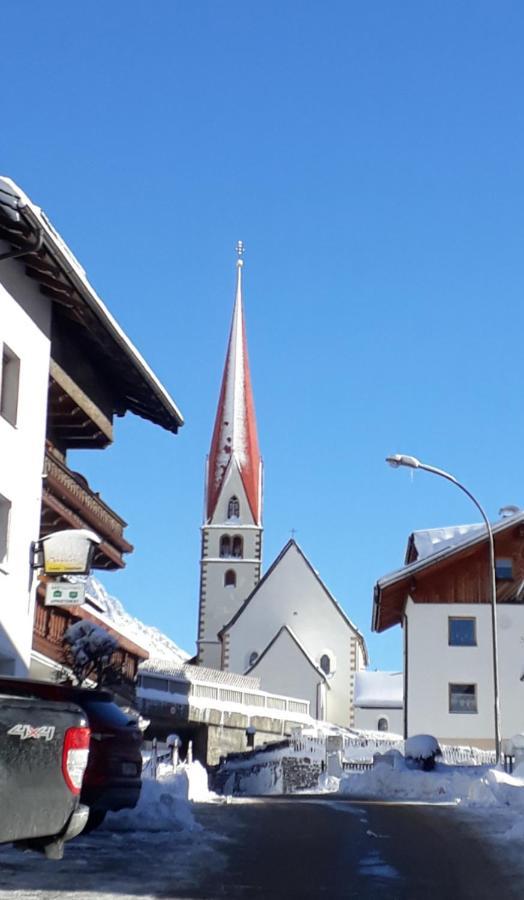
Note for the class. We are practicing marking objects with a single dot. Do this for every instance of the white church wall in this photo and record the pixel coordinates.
(25, 330)
(369, 719)
(293, 596)
(285, 670)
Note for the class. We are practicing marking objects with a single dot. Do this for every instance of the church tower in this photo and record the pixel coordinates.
(232, 530)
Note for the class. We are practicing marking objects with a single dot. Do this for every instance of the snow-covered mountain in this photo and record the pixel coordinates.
(111, 610)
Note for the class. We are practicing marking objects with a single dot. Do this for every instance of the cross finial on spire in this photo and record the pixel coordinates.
(240, 251)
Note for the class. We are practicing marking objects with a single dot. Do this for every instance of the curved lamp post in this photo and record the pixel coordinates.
(412, 462)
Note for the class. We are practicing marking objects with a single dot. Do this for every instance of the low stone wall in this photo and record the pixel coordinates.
(266, 771)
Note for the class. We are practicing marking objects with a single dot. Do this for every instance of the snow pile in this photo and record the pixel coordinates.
(394, 778)
(192, 779)
(111, 610)
(421, 746)
(164, 804)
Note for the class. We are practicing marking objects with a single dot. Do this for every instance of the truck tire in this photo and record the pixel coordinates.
(94, 820)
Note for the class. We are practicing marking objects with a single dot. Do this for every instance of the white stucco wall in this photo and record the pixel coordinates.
(25, 328)
(219, 603)
(432, 665)
(368, 719)
(292, 595)
(285, 670)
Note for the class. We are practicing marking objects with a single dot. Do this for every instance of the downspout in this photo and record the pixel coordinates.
(33, 248)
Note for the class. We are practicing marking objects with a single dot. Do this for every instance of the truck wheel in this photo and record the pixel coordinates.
(94, 820)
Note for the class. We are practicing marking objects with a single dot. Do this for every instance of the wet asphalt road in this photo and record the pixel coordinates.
(279, 848)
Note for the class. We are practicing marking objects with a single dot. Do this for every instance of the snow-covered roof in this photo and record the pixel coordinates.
(466, 536)
(433, 540)
(110, 610)
(374, 690)
(141, 391)
(198, 674)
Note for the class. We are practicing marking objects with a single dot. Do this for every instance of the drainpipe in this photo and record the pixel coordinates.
(33, 248)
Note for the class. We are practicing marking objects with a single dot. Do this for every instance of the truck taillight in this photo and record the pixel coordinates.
(75, 756)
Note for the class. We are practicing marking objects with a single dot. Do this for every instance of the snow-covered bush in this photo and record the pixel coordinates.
(423, 750)
(88, 649)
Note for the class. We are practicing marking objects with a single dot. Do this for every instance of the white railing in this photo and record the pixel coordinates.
(467, 756)
(276, 705)
(359, 750)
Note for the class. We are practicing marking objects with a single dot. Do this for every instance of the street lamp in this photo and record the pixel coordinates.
(411, 462)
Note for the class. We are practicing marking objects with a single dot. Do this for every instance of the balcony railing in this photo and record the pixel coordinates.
(69, 502)
(275, 706)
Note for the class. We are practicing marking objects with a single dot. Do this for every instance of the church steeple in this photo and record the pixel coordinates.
(232, 531)
(235, 432)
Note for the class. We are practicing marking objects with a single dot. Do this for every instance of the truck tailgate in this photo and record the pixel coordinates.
(34, 798)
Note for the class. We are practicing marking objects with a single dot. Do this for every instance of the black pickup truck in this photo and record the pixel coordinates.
(44, 746)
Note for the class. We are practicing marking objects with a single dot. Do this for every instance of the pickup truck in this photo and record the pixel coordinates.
(44, 746)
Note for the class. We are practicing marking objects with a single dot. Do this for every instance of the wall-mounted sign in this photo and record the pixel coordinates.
(63, 593)
(69, 552)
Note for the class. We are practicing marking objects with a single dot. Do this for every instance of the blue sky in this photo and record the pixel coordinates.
(370, 157)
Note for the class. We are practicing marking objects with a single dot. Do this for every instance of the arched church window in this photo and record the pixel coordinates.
(325, 663)
(238, 548)
(225, 546)
(233, 508)
(230, 578)
(383, 724)
(253, 658)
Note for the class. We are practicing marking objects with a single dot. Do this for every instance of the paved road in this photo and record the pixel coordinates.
(269, 849)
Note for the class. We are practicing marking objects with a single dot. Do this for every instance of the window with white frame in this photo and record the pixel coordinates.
(463, 698)
(462, 631)
(5, 516)
(325, 663)
(9, 382)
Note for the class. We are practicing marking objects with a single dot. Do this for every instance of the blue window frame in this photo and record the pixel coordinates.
(504, 569)
(462, 632)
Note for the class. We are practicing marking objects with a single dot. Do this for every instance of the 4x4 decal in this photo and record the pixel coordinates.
(24, 731)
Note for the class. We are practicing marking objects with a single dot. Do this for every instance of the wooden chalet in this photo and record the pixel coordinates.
(452, 566)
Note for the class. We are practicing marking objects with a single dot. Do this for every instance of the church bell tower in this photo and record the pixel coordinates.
(232, 530)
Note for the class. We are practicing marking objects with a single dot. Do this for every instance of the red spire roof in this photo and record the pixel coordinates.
(235, 431)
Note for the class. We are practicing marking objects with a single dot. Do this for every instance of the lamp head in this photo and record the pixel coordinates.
(399, 459)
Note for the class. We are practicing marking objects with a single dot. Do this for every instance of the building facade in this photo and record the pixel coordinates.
(442, 600)
(67, 370)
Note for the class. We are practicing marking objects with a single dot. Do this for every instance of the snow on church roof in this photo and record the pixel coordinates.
(374, 690)
(235, 431)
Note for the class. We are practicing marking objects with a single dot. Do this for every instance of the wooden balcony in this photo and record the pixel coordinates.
(69, 502)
